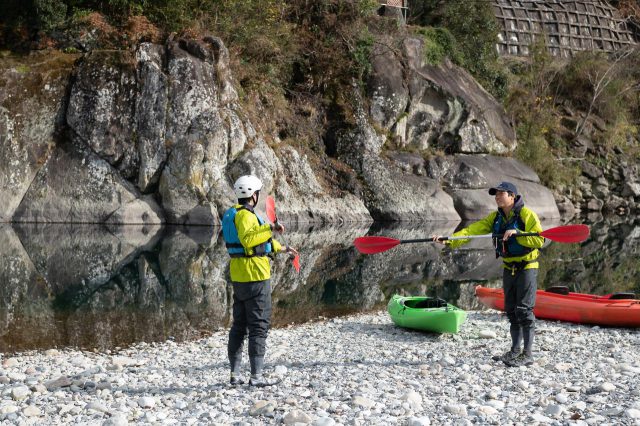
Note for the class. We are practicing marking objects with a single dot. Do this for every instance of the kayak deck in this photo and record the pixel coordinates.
(573, 307)
(425, 313)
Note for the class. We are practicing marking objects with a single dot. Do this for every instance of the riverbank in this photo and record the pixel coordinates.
(358, 370)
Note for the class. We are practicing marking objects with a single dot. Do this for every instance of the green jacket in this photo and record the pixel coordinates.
(485, 226)
(251, 234)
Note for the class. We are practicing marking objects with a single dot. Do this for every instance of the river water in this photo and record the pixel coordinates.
(97, 287)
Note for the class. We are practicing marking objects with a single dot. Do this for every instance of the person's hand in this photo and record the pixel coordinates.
(278, 227)
(437, 239)
(508, 233)
(291, 251)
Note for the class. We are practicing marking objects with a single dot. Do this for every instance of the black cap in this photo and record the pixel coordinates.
(504, 186)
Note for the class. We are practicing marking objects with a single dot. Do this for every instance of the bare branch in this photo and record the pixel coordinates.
(600, 83)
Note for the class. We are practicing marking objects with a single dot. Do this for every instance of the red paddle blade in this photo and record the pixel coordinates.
(567, 234)
(271, 209)
(372, 245)
(296, 263)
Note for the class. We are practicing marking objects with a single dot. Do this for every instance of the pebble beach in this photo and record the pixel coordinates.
(355, 370)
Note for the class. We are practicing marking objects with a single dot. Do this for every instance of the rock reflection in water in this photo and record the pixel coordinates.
(104, 287)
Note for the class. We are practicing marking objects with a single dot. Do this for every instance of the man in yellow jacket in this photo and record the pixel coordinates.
(249, 241)
(519, 255)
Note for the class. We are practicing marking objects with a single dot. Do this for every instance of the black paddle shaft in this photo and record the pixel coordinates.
(470, 237)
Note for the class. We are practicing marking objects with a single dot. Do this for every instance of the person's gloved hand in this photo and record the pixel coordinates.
(508, 233)
(437, 239)
(291, 251)
(277, 227)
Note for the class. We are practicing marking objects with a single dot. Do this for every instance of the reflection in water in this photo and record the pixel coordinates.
(103, 287)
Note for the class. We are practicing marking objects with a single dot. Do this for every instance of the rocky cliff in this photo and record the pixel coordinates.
(158, 134)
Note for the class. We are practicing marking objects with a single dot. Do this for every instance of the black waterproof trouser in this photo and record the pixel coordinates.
(252, 314)
(520, 288)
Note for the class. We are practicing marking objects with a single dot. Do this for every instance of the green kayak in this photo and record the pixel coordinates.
(425, 313)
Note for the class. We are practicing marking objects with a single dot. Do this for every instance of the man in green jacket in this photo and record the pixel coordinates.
(249, 241)
(519, 255)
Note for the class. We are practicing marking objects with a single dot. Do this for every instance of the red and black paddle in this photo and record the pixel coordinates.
(560, 234)
(271, 215)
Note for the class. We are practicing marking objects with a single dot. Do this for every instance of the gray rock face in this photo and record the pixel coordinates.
(439, 107)
(158, 135)
(388, 92)
(299, 195)
(392, 194)
(151, 114)
(467, 178)
(396, 195)
(32, 102)
(101, 108)
(76, 186)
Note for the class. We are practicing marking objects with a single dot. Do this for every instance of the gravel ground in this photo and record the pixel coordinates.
(356, 370)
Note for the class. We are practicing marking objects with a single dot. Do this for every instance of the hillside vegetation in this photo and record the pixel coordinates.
(293, 60)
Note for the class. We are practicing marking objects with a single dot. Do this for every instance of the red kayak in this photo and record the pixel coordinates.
(557, 303)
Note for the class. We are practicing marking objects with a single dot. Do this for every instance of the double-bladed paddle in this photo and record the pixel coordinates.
(560, 234)
(271, 215)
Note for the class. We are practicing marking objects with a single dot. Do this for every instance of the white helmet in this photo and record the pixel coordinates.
(246, 186)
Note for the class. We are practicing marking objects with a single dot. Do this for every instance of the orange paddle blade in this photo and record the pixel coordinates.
(296, 263)
(567, 233)
(271, 209)
(372, 245)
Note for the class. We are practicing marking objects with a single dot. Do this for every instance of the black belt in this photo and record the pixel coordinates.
(247, 255)
(518, 266)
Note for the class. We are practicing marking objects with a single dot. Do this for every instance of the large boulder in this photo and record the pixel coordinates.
(300, 194)
(32, 104)
(387, 89)
(468, 177)
(163, 117)
(394, 194)
(101, 108)
(76, 186)
(151, 113)
(435, 106)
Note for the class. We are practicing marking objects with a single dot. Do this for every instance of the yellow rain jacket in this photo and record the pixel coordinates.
(251, 234)
(485, 226)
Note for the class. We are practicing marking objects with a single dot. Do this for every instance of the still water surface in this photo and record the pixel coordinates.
(95, 287)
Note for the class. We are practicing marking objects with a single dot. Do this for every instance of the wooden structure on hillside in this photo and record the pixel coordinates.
(396, 8)
(567, 26)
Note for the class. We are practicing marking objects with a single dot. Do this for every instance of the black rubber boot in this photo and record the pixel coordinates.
(524, 360)
(236, 380)
(507, 356)
(261, 381)
(516, 337)
(257, 365)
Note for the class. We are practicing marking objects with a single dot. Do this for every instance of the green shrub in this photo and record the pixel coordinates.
(537, 154)
(49, 14)
(475, 29)
(361, 55)
(19, 16)
(615, 79)
(438, 44)
(621, 134)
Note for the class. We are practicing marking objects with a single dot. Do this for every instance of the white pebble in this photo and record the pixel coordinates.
(632, 413)
(607, 387)
(487, 334)
(418, 421)
(146, 402)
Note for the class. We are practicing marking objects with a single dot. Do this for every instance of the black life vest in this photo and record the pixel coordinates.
(511, 247)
